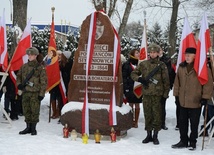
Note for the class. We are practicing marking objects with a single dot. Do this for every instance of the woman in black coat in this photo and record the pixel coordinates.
(128, 84)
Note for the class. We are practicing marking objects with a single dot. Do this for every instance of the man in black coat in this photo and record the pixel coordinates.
(171, 72)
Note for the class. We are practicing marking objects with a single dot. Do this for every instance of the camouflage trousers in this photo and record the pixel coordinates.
(152, 112)
(31, 106)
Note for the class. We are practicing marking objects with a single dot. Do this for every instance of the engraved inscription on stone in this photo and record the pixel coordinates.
(100, 79)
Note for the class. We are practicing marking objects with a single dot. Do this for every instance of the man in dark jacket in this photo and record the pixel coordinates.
(171, 73)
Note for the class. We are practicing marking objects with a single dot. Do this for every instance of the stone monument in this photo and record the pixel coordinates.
(100, 81)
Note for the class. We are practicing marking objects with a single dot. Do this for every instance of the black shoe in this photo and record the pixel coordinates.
(26, 130)
(164, 127)
(33, 129)
(176, 127)
(156, 141)
(13, 118)
(20, 114)
(155, 138)
(180, 145)
(148, 138)
(192, 146)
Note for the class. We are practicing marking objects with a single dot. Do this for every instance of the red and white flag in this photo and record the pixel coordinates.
(187, 40)
(137, 90)
(112, 108)
(3, 43)
(143, 47)
(203, 45)
(90, 50)
(20, 57)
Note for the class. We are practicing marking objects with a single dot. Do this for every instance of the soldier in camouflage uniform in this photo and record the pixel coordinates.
(153, 92)
(34, 90)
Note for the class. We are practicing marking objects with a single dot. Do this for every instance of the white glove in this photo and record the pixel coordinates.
(4, 89)
(19, 92)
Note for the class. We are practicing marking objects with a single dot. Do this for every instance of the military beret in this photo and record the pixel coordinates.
(153, 47)
(32, 51)
(190, 50)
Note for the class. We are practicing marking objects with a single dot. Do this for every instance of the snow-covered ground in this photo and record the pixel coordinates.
(50, 141)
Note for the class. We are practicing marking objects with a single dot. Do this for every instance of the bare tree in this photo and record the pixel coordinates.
(110, 8)
(208, 4)
(20, 13)
(19, 18)
(125, 17)
(174, 6)
(173, 27)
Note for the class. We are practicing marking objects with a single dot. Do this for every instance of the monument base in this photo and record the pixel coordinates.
(98, 119)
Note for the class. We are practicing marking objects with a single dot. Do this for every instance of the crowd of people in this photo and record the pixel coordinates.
(23, 97)
(156, 74)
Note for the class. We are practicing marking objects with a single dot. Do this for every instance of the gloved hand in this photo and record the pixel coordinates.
(144, 82)
(40, 98)
(20, 87)
(203, 101)
(163, 100)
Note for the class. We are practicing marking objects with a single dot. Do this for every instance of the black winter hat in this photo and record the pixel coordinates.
(190, 50)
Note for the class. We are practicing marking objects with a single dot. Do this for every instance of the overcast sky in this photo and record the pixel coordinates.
(75, 11)
(69, 11)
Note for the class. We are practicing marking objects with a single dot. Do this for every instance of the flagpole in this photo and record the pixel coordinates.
(49, 117)
(145, 27)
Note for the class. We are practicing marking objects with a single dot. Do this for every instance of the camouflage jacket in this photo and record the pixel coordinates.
(144, 68)
(38, 79)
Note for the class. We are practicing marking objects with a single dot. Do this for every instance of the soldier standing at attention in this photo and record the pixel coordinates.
(155, 80)
(31, 82)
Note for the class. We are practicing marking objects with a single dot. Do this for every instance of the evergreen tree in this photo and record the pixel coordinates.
(155, 34)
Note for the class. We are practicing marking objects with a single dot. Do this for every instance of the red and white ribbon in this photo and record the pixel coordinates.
(90, 50)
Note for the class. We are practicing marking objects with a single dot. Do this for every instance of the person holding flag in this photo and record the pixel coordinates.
(128, 84)
(31, 83)
(65, 64)
(191, 95)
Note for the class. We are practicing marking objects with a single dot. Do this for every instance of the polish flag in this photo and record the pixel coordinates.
(3, 44)
(137, 90)
(203, 45)
(20, 57)
(187, 40)
(143, 47)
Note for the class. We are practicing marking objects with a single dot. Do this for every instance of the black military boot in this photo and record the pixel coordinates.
(180, 145)
(148, 137)
(26, 130)
(33, 129)
(155, 138)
